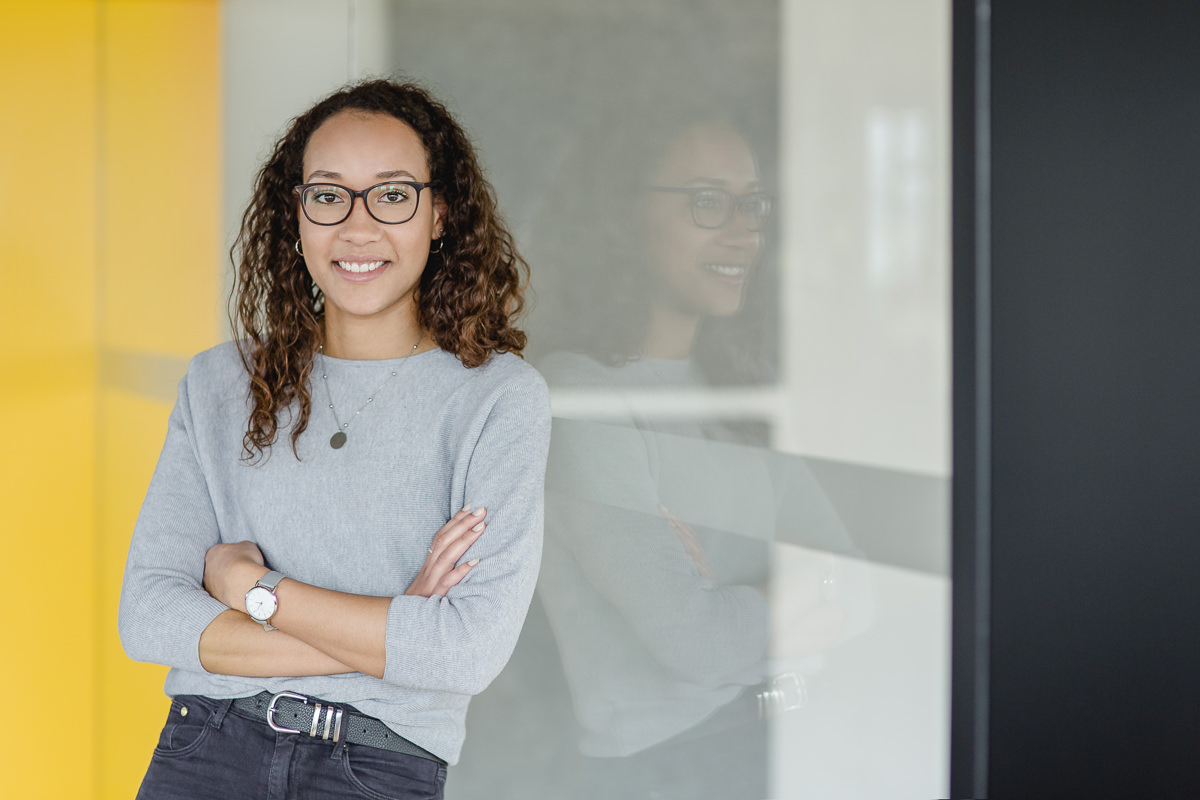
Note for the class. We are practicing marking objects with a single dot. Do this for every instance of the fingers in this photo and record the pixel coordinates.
(451, 578)
(456, 523)
(463, 529)
(441, 570)
(451, 553)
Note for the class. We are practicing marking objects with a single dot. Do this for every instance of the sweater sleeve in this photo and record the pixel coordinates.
(460, 642)
(164, 607)
(604, 511)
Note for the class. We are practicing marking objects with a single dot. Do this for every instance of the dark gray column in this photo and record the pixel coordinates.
(1093, 269)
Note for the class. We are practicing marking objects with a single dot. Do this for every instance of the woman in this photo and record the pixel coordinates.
(342, 534)
(662, 512)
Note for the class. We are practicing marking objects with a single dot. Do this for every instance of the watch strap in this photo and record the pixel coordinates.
(270, 580)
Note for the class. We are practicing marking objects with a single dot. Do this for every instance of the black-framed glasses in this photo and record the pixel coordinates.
(713, 208)
(391, 202)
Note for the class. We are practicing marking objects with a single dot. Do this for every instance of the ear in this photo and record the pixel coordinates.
(440, 210)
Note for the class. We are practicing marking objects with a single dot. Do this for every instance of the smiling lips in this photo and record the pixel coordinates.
(359, 267)
(733, 273)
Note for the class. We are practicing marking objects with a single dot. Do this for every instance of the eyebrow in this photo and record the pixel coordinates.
(386, 175)
(754, 186)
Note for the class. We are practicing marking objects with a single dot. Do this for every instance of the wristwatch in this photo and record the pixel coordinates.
(261, 602)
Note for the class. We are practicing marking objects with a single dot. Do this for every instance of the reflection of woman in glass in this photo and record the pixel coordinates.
(340, 539)
(659, 520)
(649, 248)
(700, 269)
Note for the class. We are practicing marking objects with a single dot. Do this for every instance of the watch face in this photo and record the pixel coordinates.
(261, 603)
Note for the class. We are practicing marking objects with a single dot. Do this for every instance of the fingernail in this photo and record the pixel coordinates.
(467, 507)
(478, 527)
(473, 562)
(479, 512)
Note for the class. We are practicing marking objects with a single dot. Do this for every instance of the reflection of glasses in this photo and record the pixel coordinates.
(713, 208)
(390, 203)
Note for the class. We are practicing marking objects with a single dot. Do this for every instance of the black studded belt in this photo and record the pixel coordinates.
(288, 712)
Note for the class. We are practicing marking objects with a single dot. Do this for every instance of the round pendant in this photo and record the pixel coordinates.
(337, 440)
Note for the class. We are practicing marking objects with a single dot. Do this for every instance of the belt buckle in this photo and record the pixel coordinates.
(333, 717)
(271, 711)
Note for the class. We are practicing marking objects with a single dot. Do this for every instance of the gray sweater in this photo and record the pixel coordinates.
(358, 519)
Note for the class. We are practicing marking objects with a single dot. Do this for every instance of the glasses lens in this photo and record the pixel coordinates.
(393, 202)
(710, 207)
(756, 211)
(326, 205)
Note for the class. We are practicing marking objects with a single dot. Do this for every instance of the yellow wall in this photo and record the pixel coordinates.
(111, 279)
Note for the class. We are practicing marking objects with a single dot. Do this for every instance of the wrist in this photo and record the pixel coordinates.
(261, 600)
(243, 578)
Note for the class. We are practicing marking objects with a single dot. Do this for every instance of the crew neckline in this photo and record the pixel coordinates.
(368, 362)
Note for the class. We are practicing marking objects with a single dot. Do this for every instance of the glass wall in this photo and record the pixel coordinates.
(736, 216)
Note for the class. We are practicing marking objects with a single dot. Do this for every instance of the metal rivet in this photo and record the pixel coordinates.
(183, 711)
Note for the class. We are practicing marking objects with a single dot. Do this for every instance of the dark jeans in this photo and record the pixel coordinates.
(214, 751)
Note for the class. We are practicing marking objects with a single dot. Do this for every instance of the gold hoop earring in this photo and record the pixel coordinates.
(297, 248)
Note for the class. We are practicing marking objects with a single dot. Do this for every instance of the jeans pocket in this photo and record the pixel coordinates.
(186, 728)
(384, 775)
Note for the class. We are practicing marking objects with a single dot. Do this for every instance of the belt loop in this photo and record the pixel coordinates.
(219, 711)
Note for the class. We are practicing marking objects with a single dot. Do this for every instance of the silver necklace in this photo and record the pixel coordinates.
(339, 438)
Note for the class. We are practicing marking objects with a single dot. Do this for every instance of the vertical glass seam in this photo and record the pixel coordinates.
(983, 407)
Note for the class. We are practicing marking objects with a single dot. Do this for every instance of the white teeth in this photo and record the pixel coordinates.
(360, 266)
(726, 270)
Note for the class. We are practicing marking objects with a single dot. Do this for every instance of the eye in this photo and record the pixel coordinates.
(325, 196)
(707, 198)
(397, 193)
(757, 204)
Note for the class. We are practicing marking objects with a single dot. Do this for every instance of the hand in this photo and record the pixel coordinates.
(438, 574)
(689, 540)
(230, 570)
(806, 616)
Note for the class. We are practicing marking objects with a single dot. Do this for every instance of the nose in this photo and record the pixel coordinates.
(736, 232)
(360, 227)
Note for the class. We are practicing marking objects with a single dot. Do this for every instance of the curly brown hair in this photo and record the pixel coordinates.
(469, 295)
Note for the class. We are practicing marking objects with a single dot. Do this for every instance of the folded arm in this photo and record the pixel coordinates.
(452, 630)
(320, 631)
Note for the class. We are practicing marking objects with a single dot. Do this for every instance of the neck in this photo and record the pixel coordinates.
(367, 340)
(671, 333)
